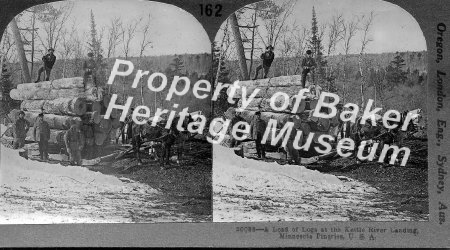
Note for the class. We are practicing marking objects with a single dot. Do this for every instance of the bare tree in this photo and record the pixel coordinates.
(7, 50)
(288, 49)
(68, 46)
(144, 44)
(336, 32)
(365, 39)
(78, 53)
(128, 35)
(349, 32)
(52, 21)
(300, 35)
(20, 50)
(114, 35)
(239, 47)
(273, 18)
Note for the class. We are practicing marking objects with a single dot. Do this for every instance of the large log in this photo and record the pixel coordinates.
(62, 83)
(263, 105)
(280, 81)
(56, 136)
(32, 105)
(91, 94)
(266, 92)
(65, 106)
(54, 121)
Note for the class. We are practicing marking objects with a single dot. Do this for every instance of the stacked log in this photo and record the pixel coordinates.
(54, 121)
(290, 85)
(50, 90)
(65, 102)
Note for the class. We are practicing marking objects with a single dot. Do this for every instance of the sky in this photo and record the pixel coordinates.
(173, 30)
(393, 28)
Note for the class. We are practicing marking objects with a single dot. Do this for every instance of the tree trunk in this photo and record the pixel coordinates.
(65, 106)
(54, 121)
(20, 50)
(267, 92)
(263, 105)
(63, 83)
(52, 94)
(239, 47)
(279, 81)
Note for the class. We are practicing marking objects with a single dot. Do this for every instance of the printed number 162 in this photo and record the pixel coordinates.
(207, 9)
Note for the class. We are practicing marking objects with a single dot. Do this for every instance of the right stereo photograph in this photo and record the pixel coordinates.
(324, 117)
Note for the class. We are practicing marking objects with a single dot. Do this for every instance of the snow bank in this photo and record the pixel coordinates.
(18, 173)
(264, 178)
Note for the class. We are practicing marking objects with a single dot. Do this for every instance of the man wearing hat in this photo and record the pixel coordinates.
(257, 129)
(234, 120)
(21, 127)
(41, 135)
(74, 141)
(292, 153)
(308, 64)
(90, 68)
(267, 59)
(49, 61)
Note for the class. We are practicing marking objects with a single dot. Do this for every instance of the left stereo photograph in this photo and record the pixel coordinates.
(101, 116)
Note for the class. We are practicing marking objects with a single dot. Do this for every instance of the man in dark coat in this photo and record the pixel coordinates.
(292, 153)
(257, 129)
(136, 140)
(21, 127)
(49, 61)
(267, 59)
(308, 64)
(127, 128)
(42, 135)
(90, 68)
(168, 140)
(74, 141)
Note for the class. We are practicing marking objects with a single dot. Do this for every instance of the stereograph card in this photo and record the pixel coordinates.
(277, 123)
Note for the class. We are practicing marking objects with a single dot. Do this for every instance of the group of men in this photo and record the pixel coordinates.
(90, 66)
(308, 64)
(73, 138)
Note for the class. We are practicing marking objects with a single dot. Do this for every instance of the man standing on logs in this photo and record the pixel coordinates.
(308, 64)
(267, 59)
(49, 61)
(90, 68)
(21, 127)
(257, 128)
(41, 134)
(74, 141)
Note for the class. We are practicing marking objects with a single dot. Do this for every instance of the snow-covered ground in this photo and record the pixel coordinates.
(34, 192)
(247, 190)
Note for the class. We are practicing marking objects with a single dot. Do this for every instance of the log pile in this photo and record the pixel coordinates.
(290, 85)
(64, 102)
